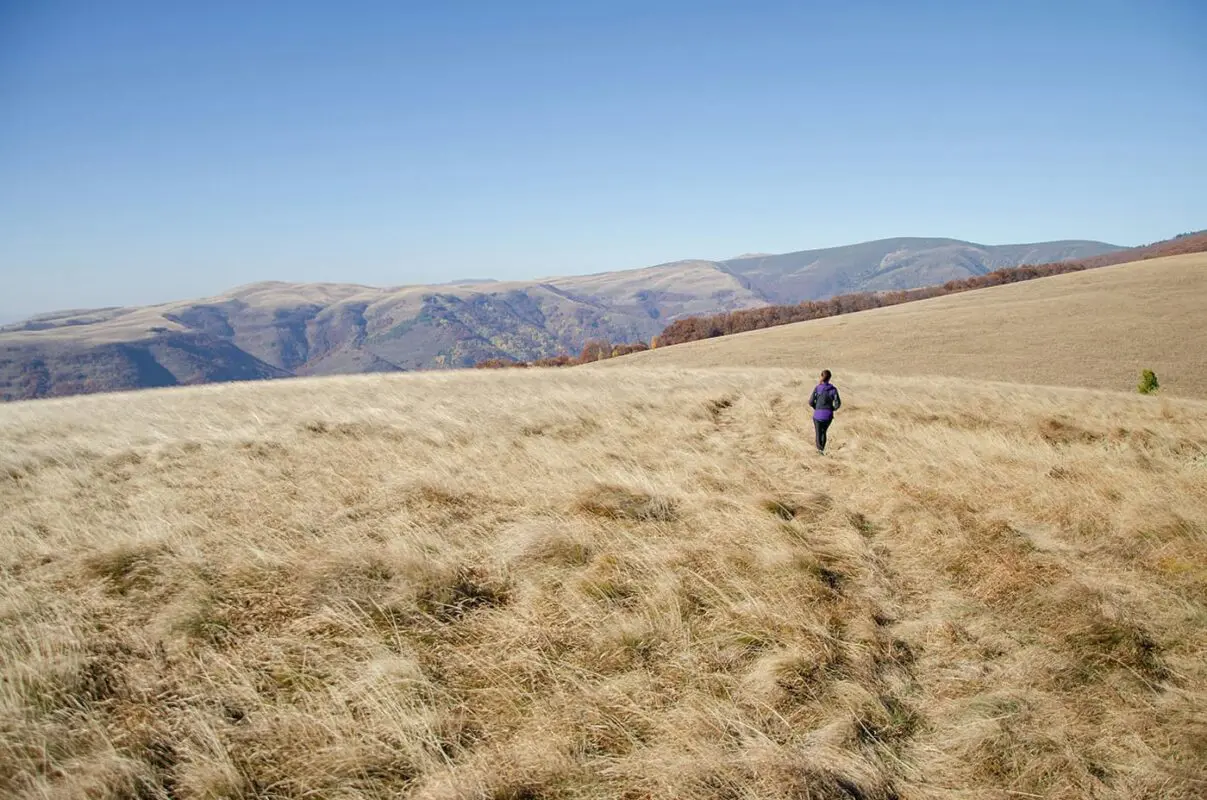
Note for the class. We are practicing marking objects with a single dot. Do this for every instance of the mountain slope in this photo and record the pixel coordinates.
(902, 263)
(281, 329)
(588, 585)
(1096, 329)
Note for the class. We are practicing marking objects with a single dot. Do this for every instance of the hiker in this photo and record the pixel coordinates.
(824, 402)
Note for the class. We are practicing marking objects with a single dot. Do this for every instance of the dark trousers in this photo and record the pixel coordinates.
(821, 426)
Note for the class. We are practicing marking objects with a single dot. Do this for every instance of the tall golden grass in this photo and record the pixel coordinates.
(603, 584)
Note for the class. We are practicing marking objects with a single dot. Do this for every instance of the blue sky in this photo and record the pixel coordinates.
(152, 151)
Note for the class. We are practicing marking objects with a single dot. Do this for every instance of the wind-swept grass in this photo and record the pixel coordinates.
(612, 584)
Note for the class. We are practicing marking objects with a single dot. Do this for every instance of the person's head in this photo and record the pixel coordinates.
(825, 376)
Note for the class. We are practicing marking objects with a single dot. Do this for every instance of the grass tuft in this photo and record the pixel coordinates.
(127, 567)
(450, 597)
(1062, 431)
(618, 502)
(784, 509)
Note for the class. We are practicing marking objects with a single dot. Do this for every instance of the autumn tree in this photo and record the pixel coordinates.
(595, 350)
(625, 349)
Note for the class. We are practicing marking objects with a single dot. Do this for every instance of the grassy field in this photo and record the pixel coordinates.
(625, 583)
(1095, 329)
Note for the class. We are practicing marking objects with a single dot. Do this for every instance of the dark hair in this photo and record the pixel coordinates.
(825, 376)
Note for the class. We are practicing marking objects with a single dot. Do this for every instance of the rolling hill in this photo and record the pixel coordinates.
(888, 264)
(1095, 329)
(581, 584)
(271, 330)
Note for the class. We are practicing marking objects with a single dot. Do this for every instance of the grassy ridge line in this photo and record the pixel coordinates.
(580, 584)
(709, 326)
(1096, 329)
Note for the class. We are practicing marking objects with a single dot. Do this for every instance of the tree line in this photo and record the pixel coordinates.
(593, 350)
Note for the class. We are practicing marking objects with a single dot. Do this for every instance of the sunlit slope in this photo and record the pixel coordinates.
(603, 584)
(1095, 329)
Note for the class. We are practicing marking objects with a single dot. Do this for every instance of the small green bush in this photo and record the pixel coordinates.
(1148, 382)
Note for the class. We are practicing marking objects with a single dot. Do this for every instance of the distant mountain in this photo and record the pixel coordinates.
(903, 263)
(276, 329)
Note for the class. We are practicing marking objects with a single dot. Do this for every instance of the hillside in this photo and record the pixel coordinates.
(279, 329)
(1093, 329)
(724, 323)
(603, 584)
(887, 264)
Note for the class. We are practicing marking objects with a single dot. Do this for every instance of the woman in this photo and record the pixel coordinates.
(824, 402)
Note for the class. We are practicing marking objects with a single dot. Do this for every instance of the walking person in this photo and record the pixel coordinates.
(824, 402)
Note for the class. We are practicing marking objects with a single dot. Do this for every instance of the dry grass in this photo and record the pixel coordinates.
(603, 584)
(1095, 329)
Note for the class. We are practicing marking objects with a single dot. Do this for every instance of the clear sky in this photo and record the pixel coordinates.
(152, 151)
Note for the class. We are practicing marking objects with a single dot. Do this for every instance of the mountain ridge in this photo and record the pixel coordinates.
(284, 328)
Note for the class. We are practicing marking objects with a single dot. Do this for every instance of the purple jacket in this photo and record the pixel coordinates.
(825, 401)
